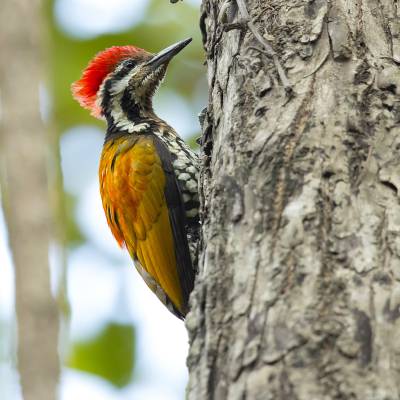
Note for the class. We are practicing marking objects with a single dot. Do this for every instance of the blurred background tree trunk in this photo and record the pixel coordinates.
(298, 295)
(25, 194)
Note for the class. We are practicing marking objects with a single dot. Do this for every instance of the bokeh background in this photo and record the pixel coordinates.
(117, 341)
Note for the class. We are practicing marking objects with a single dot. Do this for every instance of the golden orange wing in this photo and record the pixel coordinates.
(144, 211)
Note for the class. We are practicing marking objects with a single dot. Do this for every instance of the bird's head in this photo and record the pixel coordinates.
(123, 79)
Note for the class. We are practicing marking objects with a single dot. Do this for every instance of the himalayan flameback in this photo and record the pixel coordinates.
(148, 174)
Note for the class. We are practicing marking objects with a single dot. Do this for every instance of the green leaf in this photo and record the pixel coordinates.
(109, 355)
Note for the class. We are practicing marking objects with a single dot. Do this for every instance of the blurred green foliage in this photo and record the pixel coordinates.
(110, 354)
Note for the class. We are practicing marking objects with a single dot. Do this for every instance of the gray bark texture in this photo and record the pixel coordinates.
(26, 199)
(298, 294)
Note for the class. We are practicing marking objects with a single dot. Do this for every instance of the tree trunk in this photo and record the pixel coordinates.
(298, 294)
(25, 189)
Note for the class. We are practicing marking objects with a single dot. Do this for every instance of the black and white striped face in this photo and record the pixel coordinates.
(120, 81)
(125, 96)
(128, 90)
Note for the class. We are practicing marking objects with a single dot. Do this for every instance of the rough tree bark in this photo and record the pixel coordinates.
(298, 295)
(25, 190)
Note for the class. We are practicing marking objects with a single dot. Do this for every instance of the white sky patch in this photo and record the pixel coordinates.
(80, 386)
(80, 149)
(92, 291)
(89, 18)
(7, 290)
(9, 383)
(195, 3)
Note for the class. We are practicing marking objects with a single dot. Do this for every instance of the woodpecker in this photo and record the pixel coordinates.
(148, 175)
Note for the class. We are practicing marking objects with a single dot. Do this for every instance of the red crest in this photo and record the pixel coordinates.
(85, 89)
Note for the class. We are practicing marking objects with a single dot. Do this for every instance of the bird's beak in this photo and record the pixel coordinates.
(165, 55)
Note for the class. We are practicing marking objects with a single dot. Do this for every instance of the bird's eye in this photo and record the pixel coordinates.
(129, 63)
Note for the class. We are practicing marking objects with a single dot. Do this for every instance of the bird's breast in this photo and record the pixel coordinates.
(132, 186)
